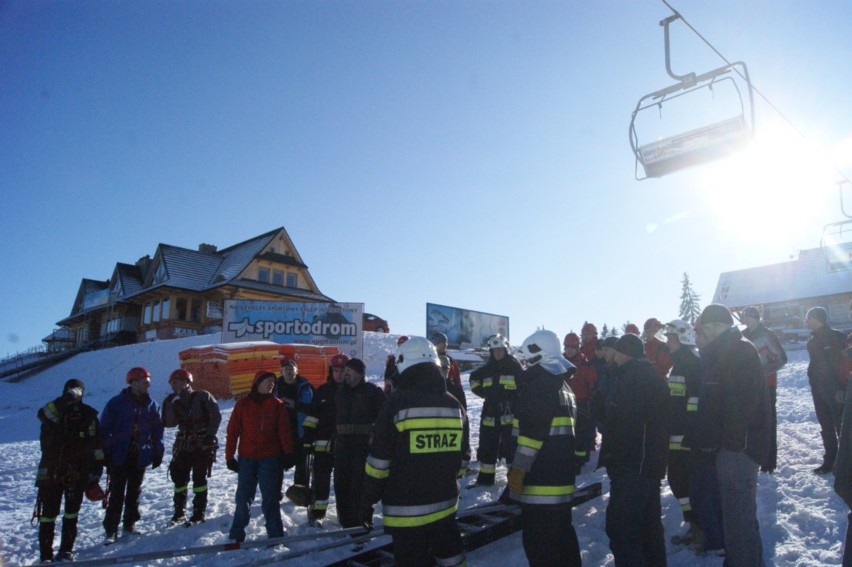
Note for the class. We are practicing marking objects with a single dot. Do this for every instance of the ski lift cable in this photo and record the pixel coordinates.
(754, 88)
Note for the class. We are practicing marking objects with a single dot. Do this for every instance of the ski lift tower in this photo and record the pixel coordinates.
(729, 86)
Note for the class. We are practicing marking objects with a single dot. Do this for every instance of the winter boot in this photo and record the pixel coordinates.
(65, 556)
(69, 536)
(199, 505)
(483, 479)
(180, 507)
(111, 538)
(45, 540)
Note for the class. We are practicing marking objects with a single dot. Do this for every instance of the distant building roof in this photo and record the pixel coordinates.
(805, 277)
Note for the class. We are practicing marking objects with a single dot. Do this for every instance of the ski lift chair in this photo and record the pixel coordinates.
(705, 143)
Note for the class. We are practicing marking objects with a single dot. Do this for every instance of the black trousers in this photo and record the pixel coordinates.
(423, 546)
(634, 520)
(549, 537)
(186, 465)
(51, 501)
(125, 488)
(349, 461)
(321, 487)
(680, 465)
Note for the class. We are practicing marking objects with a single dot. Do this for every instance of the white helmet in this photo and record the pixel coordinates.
(416, 350)
(541, 345)
(498, 341)
(683, 329)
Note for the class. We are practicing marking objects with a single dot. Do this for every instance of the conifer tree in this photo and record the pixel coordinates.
(689, 306)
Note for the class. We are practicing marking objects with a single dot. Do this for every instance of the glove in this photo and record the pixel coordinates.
(516, 479)
(288, 461)
(233, 465)
(157, 462)
(365, 515)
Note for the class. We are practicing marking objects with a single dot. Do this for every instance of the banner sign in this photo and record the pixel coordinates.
(285, 322)
(464, 328)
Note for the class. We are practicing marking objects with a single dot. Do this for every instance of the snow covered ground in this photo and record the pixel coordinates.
(802, 521)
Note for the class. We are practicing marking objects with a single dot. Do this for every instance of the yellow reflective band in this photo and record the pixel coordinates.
(319, 505)
(181, 489)
(677, 390)
(46, 520)
(549, 490)
(435, 441)
(199, 489)
(70, 516)
(488, 421)
(430, 423)
(508, 382)
(487, 382)
(530, 442)
(376, 473)
(562, 421)
(487, 469)
(579, 453)
(415, 521)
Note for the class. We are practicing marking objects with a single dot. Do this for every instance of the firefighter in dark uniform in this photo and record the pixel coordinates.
(71, 464)
(320, 426)
(495, 382)
(541, 477)
(421, 442)
(196, 415)
(358, 404)
(684, 389)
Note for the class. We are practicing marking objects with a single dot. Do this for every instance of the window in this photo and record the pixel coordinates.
(156, 311)
(195, 311)
(277, 278)
(292, 279)
(160, 275)
(180, 309)
(263, 275)
(146, 318)
(165, 308)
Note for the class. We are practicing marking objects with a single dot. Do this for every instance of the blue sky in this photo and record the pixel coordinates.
(472, 153)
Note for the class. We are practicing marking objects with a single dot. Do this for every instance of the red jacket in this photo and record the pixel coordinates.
(582, 383)
(261, 425)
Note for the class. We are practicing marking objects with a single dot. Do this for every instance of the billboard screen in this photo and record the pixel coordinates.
(464, 328)
(321, 324)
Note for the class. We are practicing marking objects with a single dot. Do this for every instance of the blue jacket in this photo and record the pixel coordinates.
(122, 416)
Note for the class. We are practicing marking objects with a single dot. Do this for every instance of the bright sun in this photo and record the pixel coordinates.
(775, 192)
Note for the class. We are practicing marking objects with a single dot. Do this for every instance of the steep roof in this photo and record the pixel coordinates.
(803, 278)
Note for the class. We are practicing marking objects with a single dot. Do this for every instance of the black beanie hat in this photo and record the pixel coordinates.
(357, 365)
(818, 313)
(631, 345)
(608, 342)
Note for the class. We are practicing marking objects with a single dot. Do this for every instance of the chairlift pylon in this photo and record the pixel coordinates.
(705, 143)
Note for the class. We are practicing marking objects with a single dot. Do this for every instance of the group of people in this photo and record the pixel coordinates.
(694, 403)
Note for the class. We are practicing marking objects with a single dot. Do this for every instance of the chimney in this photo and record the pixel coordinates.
(143, 264)
(207, 248)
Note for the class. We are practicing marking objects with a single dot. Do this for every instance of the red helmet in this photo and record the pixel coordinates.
(653, 325)
(632, 328)
(401, 339)
(571, 340)
(137, 373)
(181, 374)
(339, 360)
(95, 493)
(589, 328)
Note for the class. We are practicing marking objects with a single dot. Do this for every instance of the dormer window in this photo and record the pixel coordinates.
(160, 275)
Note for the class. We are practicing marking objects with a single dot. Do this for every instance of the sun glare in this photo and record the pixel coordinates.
(775, 192)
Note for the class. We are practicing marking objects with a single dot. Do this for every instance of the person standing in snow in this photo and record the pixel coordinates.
(773, 357)
(541, 477)
(824, 375)
(297, 394)
(843, 463)
(733, 420)
(496, 383)
(196, 415)
(133, 439)
(582, 384)
(358, 404)
(260, 427)
(320, 426)
(684, 387)
(420, 445)
(71, 463)
(634, 451)
(441, 341)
